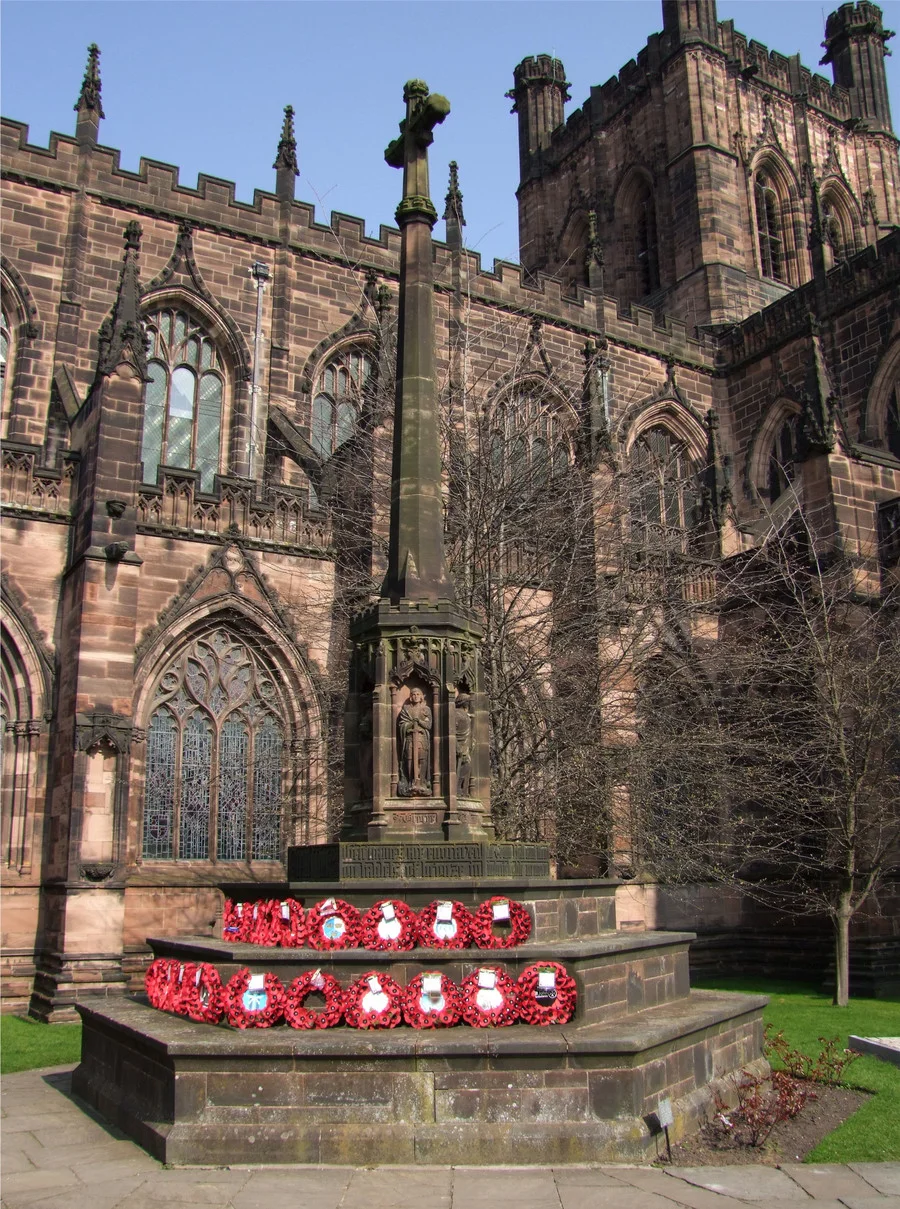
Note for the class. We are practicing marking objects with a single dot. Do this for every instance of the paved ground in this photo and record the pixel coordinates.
(55, 1155)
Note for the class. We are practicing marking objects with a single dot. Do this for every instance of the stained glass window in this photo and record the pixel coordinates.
(183, 399)
(5, 345)
(783, 457)
(664, 494)
(768, 229)
(338, 399)
(215, 757)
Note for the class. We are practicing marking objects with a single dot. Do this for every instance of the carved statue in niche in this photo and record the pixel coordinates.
(463, 718)
(414, 746)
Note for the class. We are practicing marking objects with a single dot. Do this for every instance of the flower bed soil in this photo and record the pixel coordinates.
(789, 1142)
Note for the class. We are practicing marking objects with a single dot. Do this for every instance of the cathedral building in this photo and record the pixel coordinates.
(709, 286)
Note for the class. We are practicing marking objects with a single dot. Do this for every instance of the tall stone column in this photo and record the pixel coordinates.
(416, 765)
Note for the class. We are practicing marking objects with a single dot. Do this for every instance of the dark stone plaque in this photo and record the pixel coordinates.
(366, 862)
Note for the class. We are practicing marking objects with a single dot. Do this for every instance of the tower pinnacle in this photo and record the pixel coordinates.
(453, 209)
(286, 157)
(89, 107)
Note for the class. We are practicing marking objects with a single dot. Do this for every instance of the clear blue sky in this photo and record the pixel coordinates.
(202, 83)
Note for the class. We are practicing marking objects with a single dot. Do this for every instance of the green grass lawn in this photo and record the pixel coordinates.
(805, 1013)
(27, 1044)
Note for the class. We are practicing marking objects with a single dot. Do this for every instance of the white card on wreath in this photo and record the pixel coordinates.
(546, 979)
(285, 910)
(387, 911)
(501, 911)
(444, 913)
(431, 984)
(487, 979)
(257, 982)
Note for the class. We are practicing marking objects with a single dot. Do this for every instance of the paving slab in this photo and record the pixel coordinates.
(80, 1196)
(871, 1202)
(827, 1181)
(756, 1183)
(661, 1183)
(884, 1177)
(310, 1188)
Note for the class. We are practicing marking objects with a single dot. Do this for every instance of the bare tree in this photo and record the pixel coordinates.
(770, 746)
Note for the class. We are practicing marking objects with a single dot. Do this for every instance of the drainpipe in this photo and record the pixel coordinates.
(260, 274)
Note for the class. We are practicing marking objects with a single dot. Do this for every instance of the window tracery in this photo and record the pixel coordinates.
(892, 422)
(6, 344)
(183, 399)
(769, 236)
(782, 460)
(338, 399)
(215, 757)
(664, 494)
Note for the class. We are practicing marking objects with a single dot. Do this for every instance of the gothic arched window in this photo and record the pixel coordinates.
(782, 457)
(215, 757)
(6, 344)
(338, 400)
(768, 229)
(646, 240)
(663, 490)
(183, 399)
(529, 448)
(892, 422)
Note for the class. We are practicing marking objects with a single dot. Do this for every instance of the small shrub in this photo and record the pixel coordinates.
(760, 1107)
(827, 1067)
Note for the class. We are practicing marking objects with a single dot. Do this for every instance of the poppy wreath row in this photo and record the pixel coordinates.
(543, 994)
(388, 926)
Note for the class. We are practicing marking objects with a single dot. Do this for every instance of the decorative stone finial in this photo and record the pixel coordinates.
(122, 335)
(89, 97)
(453, 208)
(286, 158)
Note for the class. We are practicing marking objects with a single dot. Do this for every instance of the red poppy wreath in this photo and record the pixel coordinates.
(432, 1000)
(332, 924)
(201, 993)
(161, 983)
(373, 1001)
(253, 1000)
(489, 998)
(287, 924)
(506, 914)
(445, 925)
(233, 924)
(314, 982)
(389, 925)
(546, 993)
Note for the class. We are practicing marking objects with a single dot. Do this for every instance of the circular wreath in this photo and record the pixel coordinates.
(258, 926)
(389, 925)
(425, 1008)
(233, 921)
(246, 1008)
(161, 983)
(550, 1003)
(486, 917)
(288, 924)
(332, 924)
(314, 982)
(373, 1001)
(201, 993)
(489, 1006)
(455, 933)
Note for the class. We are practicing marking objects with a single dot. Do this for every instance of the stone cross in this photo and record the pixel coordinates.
(417, 568)
(424, 111)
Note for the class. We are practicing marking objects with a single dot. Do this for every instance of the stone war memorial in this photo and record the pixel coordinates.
(340, 572)
(590, 1089)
